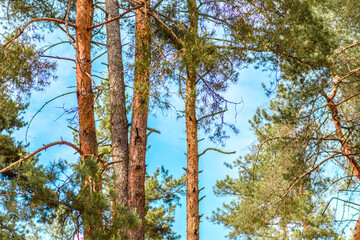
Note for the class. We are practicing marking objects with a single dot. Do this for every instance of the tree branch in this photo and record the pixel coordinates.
(115, 18)
(211, 115)
(39, 150)
(56, 57)
(21, 30)
(216, 150)
(152, 130)
(343, 49)
(296, 180)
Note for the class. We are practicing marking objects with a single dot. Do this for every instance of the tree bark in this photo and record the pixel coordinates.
(345, 147)
(85, 98)
(192, 192)
(119, 122)
(138, 136)
(356, 233)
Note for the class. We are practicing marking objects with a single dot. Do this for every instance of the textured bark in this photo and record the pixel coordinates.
(85, 98)
(119, 122)
(356, 233)
(346, 148)
(138, 136)
(85, 95)
(192, 192)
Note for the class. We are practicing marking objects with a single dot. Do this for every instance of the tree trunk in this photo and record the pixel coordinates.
(138, 135)
(192, 192)
(85, 98)
(345, 147)
(119, 122)
(356, 233)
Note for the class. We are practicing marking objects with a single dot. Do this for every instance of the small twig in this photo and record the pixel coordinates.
(39, 150)
(216, 150)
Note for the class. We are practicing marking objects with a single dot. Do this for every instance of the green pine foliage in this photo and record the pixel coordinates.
(270, 202)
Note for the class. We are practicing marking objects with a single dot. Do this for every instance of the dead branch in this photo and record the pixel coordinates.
(216, 150)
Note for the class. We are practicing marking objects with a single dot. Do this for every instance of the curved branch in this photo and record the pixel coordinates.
(343, 49)
(21, 30)
(216, 150)
(39, 150)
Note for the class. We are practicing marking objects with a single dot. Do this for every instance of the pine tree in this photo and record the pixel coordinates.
(302, 39)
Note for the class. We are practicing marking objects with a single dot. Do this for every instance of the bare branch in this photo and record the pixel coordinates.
(211, 115)
(56, 57)
(39, 150)
(151, 130)
(21, 30)
(116, 18)
(216, 150)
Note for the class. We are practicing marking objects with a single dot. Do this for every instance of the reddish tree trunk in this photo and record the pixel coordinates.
(138, 135)
(345, 147)
(192, 192)
(85, 95)
(356, 233)
(119, 122)
(85, 98)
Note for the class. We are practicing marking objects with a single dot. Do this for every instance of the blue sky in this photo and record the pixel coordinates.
(167, 148)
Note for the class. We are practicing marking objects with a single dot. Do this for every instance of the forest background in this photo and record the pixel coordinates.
(55, 121)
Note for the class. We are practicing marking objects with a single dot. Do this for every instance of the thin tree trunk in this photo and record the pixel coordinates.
(119, 122)
(192, 192)
(85, 98)
(138, 135)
